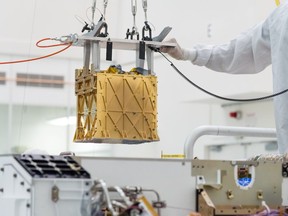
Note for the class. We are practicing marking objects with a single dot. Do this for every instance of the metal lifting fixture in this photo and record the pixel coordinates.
(134, 30)
(146, 27)
(93, 8)
(105, 3)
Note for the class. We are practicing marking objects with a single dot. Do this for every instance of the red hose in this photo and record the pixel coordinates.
(67, 45)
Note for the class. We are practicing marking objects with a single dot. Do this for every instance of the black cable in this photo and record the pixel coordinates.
(218, 96)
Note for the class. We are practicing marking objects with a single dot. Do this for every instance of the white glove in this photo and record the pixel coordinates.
(179, 53)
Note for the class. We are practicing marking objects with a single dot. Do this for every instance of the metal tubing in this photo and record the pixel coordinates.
(123, 196)
(108, 200)
(224, 131)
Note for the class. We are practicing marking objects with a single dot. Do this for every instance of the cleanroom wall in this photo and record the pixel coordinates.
(181, 108)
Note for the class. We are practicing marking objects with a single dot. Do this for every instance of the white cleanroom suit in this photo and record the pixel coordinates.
(251, 52)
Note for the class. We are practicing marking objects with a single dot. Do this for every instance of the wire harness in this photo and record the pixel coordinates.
(215, 95)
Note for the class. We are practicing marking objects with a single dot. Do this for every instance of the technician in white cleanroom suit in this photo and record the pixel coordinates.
(251, 52)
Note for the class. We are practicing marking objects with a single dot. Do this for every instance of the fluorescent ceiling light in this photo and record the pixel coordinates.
(63, 121)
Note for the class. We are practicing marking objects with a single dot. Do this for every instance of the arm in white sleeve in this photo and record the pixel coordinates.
(250, 52)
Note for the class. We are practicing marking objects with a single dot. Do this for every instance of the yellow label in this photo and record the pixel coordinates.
(181, 156)
(277, 2)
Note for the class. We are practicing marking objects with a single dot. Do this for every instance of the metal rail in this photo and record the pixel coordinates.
(224, 131)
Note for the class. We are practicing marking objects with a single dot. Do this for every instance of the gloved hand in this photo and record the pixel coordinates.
(179, 53)
(175, 52)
